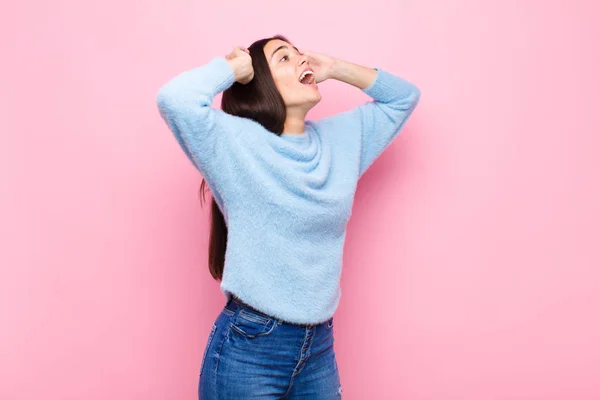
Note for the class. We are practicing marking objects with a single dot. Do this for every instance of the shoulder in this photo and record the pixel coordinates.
(342, 121)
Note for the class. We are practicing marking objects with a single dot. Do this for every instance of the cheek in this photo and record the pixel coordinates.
(287, 87)
(285, 79)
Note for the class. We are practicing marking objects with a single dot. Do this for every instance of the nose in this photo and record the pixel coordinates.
(303, 59)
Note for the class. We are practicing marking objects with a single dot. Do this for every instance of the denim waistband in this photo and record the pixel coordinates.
(235, 302)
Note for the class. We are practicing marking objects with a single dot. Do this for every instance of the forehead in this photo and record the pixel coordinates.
(273, 45)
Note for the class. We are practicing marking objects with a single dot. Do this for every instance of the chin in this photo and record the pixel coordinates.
(315, 101)
(318, 96)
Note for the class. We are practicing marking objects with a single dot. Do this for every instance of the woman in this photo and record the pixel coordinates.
(283, 189)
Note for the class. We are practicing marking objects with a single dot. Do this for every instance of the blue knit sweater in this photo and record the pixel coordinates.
(286, 199)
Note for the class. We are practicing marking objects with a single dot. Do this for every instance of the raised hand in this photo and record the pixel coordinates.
(240, 61)
(322, 64)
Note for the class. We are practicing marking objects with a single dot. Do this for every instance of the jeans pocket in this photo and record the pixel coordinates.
(330, 323)
(209, 341)
(252, 324)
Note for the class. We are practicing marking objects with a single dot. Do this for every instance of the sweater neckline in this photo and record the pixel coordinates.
(297, 137)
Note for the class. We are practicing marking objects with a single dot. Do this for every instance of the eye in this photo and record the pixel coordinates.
(284, 57)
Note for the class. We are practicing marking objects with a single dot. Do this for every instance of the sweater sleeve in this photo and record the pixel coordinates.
(204, 133)
(376, 123)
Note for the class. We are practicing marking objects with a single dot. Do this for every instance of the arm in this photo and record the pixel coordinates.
(353, 74)
(376, 123)
(185, 102)
(394, 100)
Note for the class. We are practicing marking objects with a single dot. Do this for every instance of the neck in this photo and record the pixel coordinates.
(294, 121)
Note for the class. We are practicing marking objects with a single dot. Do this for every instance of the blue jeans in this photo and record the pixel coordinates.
(251, 355)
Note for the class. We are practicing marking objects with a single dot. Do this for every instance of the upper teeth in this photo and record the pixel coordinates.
(305, 73)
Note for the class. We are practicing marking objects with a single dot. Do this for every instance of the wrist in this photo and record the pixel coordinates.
(354, 74)
(235, 67)
(337, 67)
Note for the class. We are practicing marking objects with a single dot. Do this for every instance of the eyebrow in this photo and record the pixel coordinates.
(282, 47)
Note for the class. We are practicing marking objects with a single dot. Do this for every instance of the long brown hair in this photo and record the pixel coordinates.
(261, 101)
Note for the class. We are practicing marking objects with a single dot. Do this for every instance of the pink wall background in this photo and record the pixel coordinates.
(472, 259)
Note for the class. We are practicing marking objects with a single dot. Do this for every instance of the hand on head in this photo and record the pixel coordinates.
(322, 64)
(240, 61)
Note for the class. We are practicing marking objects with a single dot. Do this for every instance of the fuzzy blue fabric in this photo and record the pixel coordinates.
(286, 199)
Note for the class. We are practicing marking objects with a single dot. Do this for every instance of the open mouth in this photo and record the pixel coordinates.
(307, 78)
